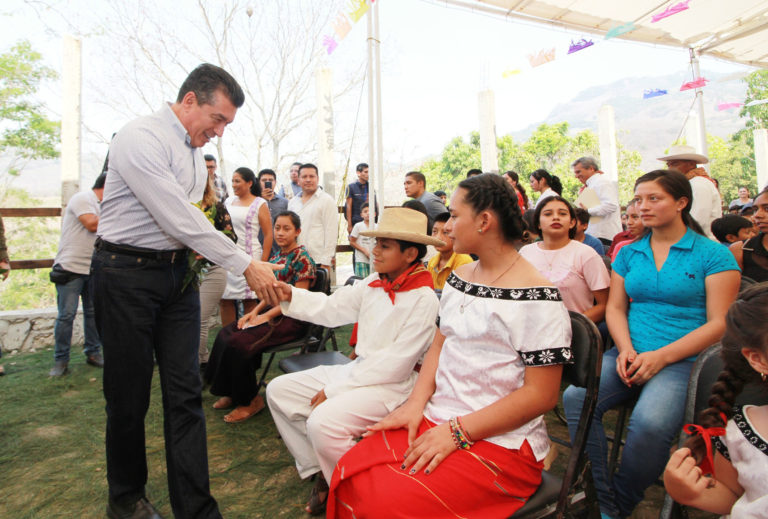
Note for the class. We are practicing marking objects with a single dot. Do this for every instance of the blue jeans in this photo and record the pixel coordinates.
(67, 296)
(142, 316)
(655, 422)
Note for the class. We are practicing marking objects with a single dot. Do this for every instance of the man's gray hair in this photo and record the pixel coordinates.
(586, 162)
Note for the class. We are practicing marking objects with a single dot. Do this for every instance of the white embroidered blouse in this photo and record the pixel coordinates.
(491, 336)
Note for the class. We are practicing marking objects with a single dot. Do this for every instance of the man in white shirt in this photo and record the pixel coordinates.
(319, 218)
(71, 272)
(706, 206)
(294, 188)
(605, 218)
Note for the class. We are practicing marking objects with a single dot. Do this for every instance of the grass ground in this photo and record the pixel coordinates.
(52, 462)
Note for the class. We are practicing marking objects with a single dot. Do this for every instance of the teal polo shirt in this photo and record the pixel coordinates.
(669, 303)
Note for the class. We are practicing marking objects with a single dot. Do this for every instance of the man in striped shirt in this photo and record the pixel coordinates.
(144, 311)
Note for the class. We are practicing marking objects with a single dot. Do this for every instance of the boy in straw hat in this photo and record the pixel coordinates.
(322, 411)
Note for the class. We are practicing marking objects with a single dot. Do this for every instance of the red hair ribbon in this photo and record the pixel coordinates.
(707, 464)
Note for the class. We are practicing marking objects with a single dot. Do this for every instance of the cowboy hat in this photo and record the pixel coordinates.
(684, 153)
(401, 223)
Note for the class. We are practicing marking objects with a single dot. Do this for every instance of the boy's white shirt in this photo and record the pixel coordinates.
(391, 338)
(366, 242)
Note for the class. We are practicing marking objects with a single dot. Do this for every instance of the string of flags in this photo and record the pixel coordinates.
(343, 21)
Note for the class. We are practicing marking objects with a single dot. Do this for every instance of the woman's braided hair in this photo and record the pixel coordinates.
(493, 193)
(746, 327)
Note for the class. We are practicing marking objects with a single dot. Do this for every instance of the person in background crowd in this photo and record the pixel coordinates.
(415, 187)
(473, 423)
(582, 222)
(357, 195)
(624, 218)
(218, 182)
(442, 196)
(146, 227)
(71, 274)
(362, 244)
(319, 215)
(522, 198)
(214, 282)
(752, 255)
(606, 216)
(250, 215)
(546, 184)
(707, 205)
(418, 206)
(635, 228)
(276, 203)
(446, 261)
(236, 354)
(474, 172)
(574, 268)
(731, 228)
(294, 188)
(680, 285)
(531, 235)
(5, 268)
(742, 200)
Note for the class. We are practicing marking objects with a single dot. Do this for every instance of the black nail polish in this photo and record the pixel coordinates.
(402, 466)
(413, 471)
(426, 471)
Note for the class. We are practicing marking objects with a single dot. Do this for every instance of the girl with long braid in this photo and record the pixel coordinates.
(738, 476)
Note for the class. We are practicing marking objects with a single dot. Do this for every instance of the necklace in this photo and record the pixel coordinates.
(462, 306)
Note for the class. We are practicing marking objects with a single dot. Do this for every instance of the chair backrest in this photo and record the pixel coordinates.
(322, 282)
(587, 350)
(352, 279)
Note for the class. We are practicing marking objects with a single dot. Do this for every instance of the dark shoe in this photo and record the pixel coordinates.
(141, 509)
(95, 360)
(318, 498)
(59, 368)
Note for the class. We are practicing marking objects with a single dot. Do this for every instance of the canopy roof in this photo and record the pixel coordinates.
(735, 30)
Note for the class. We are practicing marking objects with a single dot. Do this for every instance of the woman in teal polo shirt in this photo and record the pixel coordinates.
(670, 291)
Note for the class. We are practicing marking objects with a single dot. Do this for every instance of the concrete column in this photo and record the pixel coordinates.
(326, 163)
(488, 149)
(71, 118)
(761, 157)
(609, 157)
(692, 136)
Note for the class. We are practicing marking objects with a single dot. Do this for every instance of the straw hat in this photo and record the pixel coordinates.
(401, 223)
(684, 153)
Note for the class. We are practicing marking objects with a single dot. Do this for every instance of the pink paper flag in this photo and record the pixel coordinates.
(699, 82)
(541, 57)
(341, 26)
(728, 106)
(669, 11)
(330, 44)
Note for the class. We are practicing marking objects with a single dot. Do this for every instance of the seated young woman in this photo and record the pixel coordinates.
(752, 254)
(634, 229)
(575, 269)
(237, 350)
(470, 440)
(680, 284)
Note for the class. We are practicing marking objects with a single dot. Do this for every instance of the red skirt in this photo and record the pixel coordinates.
(486, 481)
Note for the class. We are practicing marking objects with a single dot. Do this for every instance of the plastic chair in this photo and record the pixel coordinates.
(315, 337)
(704, 373)
(556, 496)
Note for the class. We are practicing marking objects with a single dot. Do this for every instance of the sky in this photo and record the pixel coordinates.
(435, 60)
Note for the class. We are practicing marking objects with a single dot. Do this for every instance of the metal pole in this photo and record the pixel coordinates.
(71, 119)
(700, 107)
(379, 132)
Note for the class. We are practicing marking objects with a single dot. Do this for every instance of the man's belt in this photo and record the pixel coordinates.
(170, 256)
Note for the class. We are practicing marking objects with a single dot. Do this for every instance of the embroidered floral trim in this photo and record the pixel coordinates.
(510, 294)
(745, 428)
(548, 357)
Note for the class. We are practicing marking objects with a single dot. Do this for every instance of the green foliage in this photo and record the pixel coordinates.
(757, 89)
(25, 131)
(29, 238)
(731, 163)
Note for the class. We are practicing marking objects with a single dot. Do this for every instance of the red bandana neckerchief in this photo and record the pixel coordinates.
(415, 277)
(707, 464)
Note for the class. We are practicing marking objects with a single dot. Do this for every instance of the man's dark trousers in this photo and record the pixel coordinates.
(142, 314)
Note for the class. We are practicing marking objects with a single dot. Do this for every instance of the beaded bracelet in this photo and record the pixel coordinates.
(464, 431)
(459, 436)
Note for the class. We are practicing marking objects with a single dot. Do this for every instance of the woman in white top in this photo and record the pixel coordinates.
(249, 213)
(546, 184)
(470, 440)
(573, 267)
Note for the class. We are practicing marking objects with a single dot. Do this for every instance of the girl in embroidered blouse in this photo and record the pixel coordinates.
(736, 481)
(680, 285)
(236, 354)
(575, 269)
(470, 439)
(249, 213)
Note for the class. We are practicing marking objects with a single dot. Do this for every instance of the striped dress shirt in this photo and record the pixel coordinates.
(154, 178)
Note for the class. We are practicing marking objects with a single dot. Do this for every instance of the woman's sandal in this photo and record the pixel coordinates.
(223, 403)
(242, 413)
(316, 504)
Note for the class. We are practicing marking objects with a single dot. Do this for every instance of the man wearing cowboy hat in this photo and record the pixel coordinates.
(706, 205)
(320, 412)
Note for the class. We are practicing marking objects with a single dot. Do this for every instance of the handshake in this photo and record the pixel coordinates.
(260, 278)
